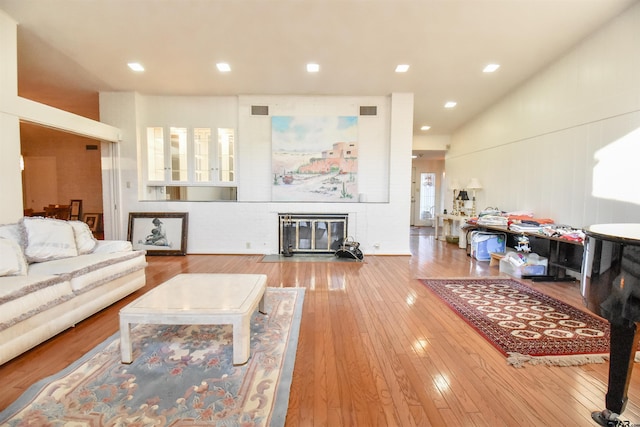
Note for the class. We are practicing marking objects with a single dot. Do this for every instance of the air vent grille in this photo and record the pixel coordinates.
(259, 110)
(368, 110)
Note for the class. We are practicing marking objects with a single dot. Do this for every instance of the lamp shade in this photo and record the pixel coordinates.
(454, 185)
(474, 184)
(462, 195)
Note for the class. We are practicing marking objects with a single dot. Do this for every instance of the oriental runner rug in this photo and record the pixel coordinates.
(523, 324)
(180, 375)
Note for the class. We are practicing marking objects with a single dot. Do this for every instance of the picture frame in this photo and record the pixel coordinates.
(75, 210)
(92, 220)
(159, 233)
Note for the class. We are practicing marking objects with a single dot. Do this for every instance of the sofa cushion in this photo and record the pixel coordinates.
(48, 239)
(88, 271)
(12, 262)
(13, 232)
(85, 242)
(24, 296)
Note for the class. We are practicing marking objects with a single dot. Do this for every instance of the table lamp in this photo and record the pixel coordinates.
(463, 197)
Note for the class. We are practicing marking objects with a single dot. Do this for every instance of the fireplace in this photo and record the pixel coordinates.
(311, 233)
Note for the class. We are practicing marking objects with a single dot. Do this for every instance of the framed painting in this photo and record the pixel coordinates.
(75, 208)
(314, 159)
(92, 220)
(159, 233)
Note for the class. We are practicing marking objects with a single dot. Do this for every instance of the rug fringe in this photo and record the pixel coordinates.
(518, 360)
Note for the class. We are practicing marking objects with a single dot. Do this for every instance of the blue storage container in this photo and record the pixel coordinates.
(484, 243)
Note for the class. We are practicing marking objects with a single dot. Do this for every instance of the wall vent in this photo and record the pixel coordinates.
(91, 147)
(368, 110)
(259, 110)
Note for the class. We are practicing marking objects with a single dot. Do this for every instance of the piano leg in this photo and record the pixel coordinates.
(623, 343)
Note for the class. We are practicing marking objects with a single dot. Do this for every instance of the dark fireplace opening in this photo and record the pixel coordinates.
(311, 233)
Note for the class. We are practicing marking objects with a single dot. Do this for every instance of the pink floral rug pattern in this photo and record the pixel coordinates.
(180, 375)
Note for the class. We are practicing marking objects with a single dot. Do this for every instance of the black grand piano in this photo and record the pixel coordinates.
(610, 287)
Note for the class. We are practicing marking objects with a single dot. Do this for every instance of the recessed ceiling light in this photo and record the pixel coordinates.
(491, 68)
(450, 104)
(223, 67)
(313, 68)
(402, 68)
(425, 127)
(136, 66)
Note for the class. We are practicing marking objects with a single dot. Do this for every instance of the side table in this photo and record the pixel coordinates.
(449, 224)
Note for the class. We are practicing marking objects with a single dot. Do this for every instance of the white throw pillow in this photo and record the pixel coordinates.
(48, 239)
(12, 262)
(85, 242)
(12, 232)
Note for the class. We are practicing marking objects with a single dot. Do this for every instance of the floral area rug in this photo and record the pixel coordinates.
(524, 324)
(180, 375)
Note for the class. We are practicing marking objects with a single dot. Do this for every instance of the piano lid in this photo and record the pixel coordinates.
(620, 233)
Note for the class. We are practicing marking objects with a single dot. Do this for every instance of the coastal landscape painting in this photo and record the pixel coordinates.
(314, 159)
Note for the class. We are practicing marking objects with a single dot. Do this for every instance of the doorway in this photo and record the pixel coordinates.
(59, 167)
(427, 175)
(427, 206)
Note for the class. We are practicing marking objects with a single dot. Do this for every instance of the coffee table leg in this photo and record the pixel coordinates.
(241, 340)
(125, 341)
(261, 308)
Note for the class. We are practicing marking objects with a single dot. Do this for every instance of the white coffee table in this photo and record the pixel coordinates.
(199, 299)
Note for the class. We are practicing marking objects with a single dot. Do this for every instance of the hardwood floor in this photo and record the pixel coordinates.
(376, 348)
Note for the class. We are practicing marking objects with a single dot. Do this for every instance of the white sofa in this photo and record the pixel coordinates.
(53, 274)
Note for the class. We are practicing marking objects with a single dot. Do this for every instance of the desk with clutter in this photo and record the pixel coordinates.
(534, 248)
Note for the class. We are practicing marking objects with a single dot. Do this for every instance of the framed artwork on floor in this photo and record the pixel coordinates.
(75, 210)
(92, 220)
(159, 233)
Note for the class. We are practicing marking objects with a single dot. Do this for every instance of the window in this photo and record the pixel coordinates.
(155, 154)
(178, 146)
(189, 158)
(201, 143)
(226, 158)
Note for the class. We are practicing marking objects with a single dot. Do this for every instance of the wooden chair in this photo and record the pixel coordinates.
(57, 211)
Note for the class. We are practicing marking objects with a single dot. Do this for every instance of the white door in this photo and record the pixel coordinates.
(426, 188)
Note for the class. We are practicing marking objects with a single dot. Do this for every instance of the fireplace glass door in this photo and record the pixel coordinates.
(312, 233)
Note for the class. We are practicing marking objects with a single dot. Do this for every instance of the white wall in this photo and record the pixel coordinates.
(431, 142)
(10, 175)
(13, 109)
(544, 147)
(250, 225)
(246, 226)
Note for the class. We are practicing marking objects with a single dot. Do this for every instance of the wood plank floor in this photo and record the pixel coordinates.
(376, 348)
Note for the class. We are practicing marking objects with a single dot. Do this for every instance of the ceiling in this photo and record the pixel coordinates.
(67, 48)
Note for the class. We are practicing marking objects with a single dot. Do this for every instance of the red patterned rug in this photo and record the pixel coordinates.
(524, 324)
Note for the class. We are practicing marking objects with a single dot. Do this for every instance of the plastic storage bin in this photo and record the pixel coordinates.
(530, 265)
(484, 243)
